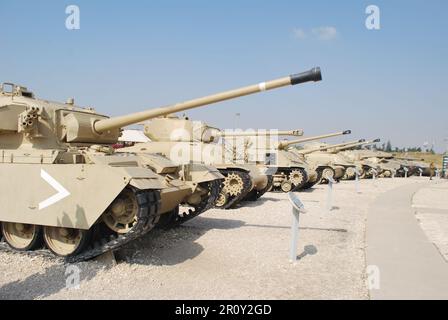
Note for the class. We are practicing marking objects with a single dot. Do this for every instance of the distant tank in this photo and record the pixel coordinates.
(288, 172)
(384, 163)
(103, 200)
(320, 155)
(361, 158)
(415, 165)
(292, 172)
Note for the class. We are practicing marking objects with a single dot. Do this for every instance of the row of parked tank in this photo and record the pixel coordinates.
(76, 186)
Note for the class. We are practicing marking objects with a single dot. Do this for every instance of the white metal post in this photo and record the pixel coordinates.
(330, 194)
(357, 180)
(374, 173)
(297, 208)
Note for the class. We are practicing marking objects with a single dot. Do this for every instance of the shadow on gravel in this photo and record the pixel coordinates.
(170, 247)
(288, 227)
(46, 283)
(308, 250)
(310, 190)
(261, 201)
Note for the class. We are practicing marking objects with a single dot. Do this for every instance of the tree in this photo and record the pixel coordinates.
(388, 146)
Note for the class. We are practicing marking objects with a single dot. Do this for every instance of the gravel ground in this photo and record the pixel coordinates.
(234, 254)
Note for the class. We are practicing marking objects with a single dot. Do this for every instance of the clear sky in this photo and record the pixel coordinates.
(131, 55)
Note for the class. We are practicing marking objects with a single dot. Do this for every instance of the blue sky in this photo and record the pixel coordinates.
(131, 55)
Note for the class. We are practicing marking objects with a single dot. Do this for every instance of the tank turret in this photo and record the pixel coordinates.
(257, 133)
(354, 145)
(286, 144)
(164, 126)
(119, 122)
(328, 147)
(46, 124)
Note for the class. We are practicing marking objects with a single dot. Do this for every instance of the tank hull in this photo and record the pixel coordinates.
(61, 196)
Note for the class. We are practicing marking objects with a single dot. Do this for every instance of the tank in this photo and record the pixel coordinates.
(199, 144)
(321, 155)
(415, 166)
(389, 165)
(292, 172)
(56, 158)
(204, 182)
(364, 161)
(184, 141)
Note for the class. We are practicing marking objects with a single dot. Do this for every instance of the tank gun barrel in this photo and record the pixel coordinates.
(285, 144)
(365, 143)
(324, 148)
(122, 121)
(296, 133)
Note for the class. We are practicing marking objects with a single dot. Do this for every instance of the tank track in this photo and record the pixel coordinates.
(287, 172)
(325, 181)
(35, 253)
(177, 218)
(305, 179)
(309, 184)
(267, 188)
(247, 184)
(254, 195)
(149, 204)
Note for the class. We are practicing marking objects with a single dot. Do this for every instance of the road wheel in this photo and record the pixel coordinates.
(222, 199)
(286, 186)
(387, 174)
(328, 173)
(65, 242)
(22, 237)
(121, 215)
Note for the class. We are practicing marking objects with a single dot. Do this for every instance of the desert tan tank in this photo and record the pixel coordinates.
(204, 182)
(385, 163)
(320, 155)
(184, 141)
(363, 160)
(415, 165)
(291, 171)
(67, 188)
(287, 172)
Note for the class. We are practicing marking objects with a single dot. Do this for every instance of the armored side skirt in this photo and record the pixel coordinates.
(65, 195)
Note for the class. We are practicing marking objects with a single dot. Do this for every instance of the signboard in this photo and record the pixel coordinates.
(445, 165)
(296, 203)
